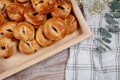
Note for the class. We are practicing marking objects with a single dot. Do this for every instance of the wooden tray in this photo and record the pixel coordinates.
(20, 61)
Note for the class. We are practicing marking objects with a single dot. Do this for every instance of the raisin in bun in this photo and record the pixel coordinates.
(62, 9)
(71, 23)
(41, 38)
(24, 31)
(6, 30)
(7, 47)
(15, 12)
(28, 47)
(34, 17)
(54, 29)
(1, 18)
(43, 6)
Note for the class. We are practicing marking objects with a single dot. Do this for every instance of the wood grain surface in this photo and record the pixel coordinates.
(52, 68)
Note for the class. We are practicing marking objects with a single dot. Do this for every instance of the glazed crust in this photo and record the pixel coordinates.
(43, 6)
(7, 47)
(3, 4)
(22, 1)
(55, 29)
(28, 47)
(62, 9)
(41, 38)
(71, 23)
(6, 30)
(15, 12)
(34, 17)
(1, 19)
(24, 31)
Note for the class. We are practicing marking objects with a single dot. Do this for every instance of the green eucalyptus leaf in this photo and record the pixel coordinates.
(107, 47)
(100, 49)
(107, 15)
(106, 40)
(99, 40)
(116, 0)
(114, 30)
(111, 21)
(105, 33)
(116, 15)
(114, 26)
(114, 5)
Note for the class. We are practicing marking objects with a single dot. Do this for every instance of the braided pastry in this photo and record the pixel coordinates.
(71, 23)
(6, 30)
(41, 38)
(54, 28)
(7, 47)
(24, 31)
(15, 12)
(62, 9)
(28, 47)
(43, 6)
(33, 17)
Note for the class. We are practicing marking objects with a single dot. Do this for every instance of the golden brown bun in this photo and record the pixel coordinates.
(7, 46)
(41, 38)
(6, 30)
(71, 23)
(24, 31)
(62, 9)
(33, 17)
(55, 29)
(28, 47)
(1, 19)
(43, 6)
(15, 12)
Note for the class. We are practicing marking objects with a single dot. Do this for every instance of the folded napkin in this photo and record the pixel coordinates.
(86, 64)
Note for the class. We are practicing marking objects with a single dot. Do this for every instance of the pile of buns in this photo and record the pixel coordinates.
(31, 24)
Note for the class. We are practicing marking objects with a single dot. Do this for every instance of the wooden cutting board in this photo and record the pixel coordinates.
(52, 68)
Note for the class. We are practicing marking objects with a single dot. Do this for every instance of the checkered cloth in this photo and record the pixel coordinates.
(84, 63)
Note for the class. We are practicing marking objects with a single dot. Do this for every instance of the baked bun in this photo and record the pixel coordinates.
(7, 47)
(54, 29)
(34, 17)
(41, 38)
(24, 31)
(15, 12)
(1, 19)
(6, 30)
(62, 9)
(71, 23)
(43, 6)
(28, 47)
